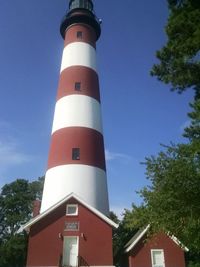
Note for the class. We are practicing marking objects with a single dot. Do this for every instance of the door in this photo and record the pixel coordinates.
(157, 258)
(70, 251)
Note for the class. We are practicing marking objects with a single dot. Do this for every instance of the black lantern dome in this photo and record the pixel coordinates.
(81, 11)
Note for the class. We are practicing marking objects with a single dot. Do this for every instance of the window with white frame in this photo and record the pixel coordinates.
(72, 209)
(157, 258)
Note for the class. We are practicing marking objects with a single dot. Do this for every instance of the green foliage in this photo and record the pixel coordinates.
(121, 236)
(179, 59)
(13, 251)
(193, 264)
(16, 201)
(114, 217)
(172, 201)
(36, 188)
(175, 4)
(136, 218)
(193, 131)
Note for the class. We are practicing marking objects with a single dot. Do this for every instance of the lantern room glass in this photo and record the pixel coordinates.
(86, 4)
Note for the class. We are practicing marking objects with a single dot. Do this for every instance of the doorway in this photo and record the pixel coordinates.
(70, 251)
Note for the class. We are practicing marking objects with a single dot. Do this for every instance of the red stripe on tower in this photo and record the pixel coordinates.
(76, 159)
(69, 84)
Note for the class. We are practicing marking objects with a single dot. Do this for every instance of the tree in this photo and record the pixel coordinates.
(121, 236)
(193, 131)
(36, 188)
(13, 251)
(171, 202)
(179, 59)
(175, 172)
(16, 201)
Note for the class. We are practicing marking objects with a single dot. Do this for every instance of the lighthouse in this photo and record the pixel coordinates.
(76, 158)
(72, 228)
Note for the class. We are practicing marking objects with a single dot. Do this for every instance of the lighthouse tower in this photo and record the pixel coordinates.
(76, 161)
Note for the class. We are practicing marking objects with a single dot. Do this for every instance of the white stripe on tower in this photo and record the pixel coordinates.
(88, 178)
(79, 54)
(88, 113)
(77, 125)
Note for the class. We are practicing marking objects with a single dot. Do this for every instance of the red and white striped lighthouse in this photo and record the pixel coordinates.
(76, 161)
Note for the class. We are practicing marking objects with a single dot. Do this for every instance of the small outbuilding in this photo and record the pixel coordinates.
(161, 250)
(70, 233)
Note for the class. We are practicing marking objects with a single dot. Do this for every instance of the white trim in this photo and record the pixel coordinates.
(69, 206)
(175, 239)
(79, 54)
(163, 255)
(77, 111)
(72, 195)
(137, 239)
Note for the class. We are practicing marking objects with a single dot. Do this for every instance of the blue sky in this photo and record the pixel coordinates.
(139, 112)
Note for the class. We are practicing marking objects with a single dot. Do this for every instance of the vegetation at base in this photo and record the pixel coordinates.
(16, 203)
(121, 236)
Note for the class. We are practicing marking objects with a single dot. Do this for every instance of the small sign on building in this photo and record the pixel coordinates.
(71, 226)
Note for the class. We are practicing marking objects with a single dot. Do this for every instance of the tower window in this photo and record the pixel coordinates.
(75, 153)
(79, 35)
(77, 86)
(72, 209)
